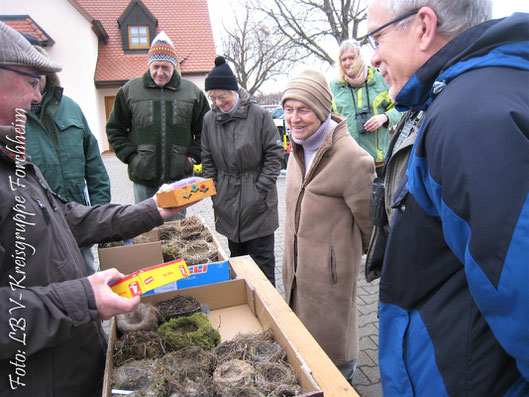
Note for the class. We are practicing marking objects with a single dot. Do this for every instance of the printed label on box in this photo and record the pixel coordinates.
(150, 278)
(198, 275)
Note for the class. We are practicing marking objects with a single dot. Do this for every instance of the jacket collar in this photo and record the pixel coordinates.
(173, 84)
(333, 134)
(242, 111)
(501, 42)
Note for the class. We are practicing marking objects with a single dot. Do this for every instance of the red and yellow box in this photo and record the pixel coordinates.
(150, 278)
(185, 191)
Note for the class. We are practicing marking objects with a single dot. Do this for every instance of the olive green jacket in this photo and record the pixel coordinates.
(155, 129)
(61, 144)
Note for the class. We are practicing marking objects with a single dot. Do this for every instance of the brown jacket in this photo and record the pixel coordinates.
(48, 316)
(327, 228)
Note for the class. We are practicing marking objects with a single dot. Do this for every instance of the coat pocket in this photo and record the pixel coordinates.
(143, 164)
(180, 167)
(332, 267)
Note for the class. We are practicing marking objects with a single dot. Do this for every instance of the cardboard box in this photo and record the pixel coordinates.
(130, 258)
(235, 307)
(186, 191)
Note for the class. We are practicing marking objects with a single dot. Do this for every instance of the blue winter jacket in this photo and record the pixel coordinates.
(454, 292)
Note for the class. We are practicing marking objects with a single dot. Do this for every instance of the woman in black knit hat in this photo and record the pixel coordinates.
(240, 152)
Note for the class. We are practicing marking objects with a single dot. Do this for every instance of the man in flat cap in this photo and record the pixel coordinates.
(51, 342)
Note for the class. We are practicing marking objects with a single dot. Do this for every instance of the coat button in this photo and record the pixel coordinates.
(402, 208)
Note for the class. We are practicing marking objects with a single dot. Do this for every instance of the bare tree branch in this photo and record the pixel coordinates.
(257, 50)
(309, 23)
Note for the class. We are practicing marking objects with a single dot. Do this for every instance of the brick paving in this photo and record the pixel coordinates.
(366, 380)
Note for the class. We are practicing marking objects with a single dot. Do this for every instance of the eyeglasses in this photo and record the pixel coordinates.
(370, 36)
(34, 83)
(220, 98)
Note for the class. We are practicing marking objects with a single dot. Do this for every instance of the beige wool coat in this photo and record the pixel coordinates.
(327, 229)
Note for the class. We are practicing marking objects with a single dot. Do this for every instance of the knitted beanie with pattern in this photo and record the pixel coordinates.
(162, 49)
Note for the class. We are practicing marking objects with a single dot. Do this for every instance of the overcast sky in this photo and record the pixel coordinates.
(223, 11)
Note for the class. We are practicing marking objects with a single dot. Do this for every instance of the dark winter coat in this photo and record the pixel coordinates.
(48, 315)
(242, 154)
(454, 307)
(154, 130)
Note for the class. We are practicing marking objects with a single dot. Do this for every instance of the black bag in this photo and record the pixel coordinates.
(377, 245)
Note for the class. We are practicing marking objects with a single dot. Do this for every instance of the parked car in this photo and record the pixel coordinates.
(278, 115)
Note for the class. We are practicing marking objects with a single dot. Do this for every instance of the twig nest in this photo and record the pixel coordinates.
(133, 375)
(269, 375)
(257, 348)
(187, 372)
(178, 306)
(233, 373)
(138, 345)
(194, 330)
(143, 318)
(287, 391)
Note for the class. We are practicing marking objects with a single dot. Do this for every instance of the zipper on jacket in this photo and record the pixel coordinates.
(44, 211)
(49, 195)
(163, 153)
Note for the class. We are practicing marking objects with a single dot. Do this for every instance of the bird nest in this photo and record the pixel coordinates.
(188, 238)
(184, 358)
(178, 306)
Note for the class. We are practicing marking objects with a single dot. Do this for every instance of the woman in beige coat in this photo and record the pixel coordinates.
(327, 226)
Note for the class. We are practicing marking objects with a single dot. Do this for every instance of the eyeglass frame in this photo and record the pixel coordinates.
(369, 36)
(220, 97)
(35, 76)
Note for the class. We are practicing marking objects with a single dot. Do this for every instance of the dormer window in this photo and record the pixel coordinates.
(139, 37)
(138, 28)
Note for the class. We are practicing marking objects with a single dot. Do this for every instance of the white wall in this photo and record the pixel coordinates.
(75, 49)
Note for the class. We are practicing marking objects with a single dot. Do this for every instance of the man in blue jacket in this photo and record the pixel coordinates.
(454, 306)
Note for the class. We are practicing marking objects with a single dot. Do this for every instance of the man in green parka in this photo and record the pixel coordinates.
(156, 123)
(60, 143)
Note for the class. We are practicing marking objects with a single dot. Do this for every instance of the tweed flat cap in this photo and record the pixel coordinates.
(17, 51)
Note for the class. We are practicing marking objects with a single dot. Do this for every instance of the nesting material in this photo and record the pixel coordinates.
(133, 375)
(269, 375)
(194, 330)
(256, 348)
(231, 374)
(138, 345)
(188, 239)
(143, 318)
(178, 306)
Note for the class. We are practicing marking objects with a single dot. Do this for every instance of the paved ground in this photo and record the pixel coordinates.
(366, 380)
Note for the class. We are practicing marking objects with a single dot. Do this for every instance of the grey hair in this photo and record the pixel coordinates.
(454, 16)
(344, 46)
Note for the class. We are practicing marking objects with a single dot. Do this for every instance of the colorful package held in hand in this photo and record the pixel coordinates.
(150, 278)
(185, 191)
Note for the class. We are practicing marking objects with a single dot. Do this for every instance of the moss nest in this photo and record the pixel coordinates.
(194, 330)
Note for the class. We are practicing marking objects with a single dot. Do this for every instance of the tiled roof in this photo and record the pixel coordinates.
(24, 24)
(186, 22)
